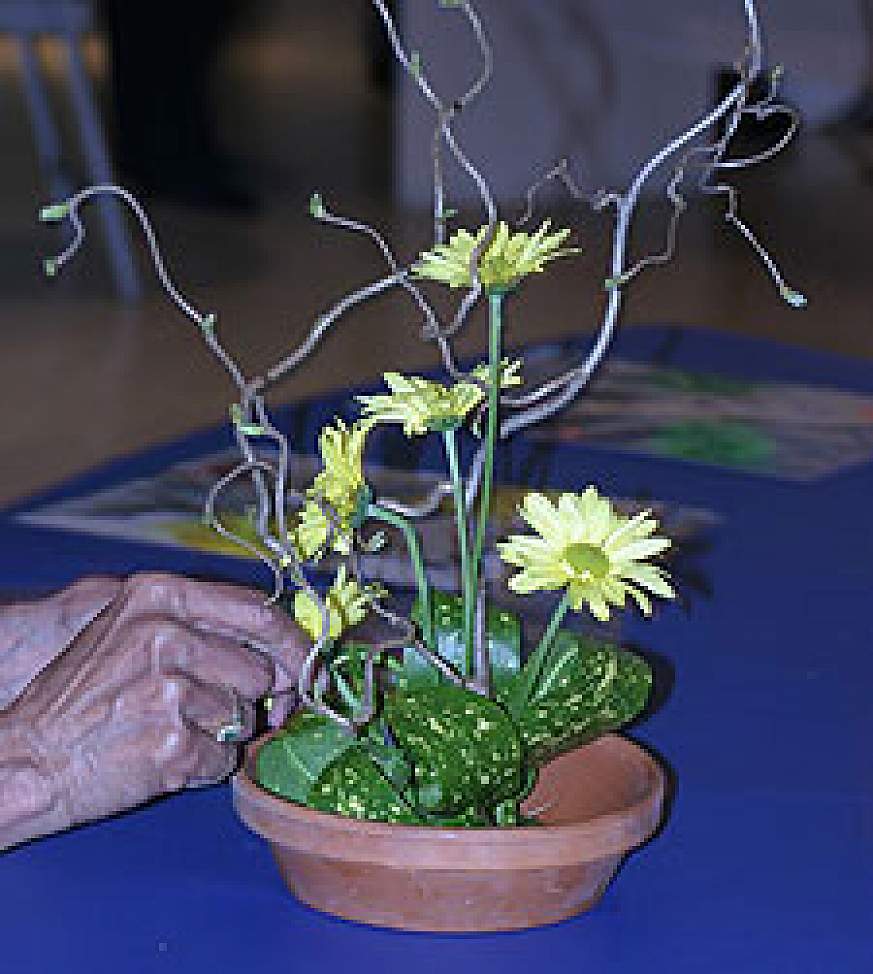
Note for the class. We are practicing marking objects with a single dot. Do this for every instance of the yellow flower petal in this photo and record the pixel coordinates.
(639, 526)
(614, 591)
(589, 515)
(586, 596)
(309, 535)
(522, 549)
(642, 600)
(638, 550)
(421, 405)
(510, 373)
(541, 515)
(585, 546)
(347, 603)
(341, 478)
(651, 578)
(508, 258)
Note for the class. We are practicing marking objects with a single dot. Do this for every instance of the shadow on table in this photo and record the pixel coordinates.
(663, 681)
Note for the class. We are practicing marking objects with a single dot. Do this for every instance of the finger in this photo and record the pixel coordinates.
(281, 705)
(77, 606)
(216, 763)
(200, 763)
(229, 610)
(220, 662)
(220, 714)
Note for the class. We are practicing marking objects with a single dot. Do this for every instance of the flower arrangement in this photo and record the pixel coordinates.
(450, 727)
(448, 721)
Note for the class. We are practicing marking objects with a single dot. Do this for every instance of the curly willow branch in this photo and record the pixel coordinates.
(556, 393)
(268, 475)
(559, 392)
(251, 422)
(446, 112)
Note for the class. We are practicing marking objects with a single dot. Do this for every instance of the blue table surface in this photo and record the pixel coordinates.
(765, 864)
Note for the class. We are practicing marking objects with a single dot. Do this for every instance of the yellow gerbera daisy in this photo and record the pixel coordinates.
(508, 259)
(585, 546)
(341, 479)
(310, 533)
(424, 406)
(348, 603)
(340, 484)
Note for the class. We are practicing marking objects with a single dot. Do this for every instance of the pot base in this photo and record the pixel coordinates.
(595, 804)
(446, 901)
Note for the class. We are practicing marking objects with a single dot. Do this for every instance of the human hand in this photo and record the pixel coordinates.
(33, 634)
(151, 697)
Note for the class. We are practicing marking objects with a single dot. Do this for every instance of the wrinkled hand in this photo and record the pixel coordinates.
(152, 696)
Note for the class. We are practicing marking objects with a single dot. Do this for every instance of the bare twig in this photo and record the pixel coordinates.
(268, 474)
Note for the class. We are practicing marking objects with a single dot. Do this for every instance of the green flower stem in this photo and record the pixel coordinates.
(413, 545)
(464, 546)
(534, 665)
(494, 361)
(495, 335)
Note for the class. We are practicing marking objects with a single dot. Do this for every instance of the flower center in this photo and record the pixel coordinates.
(587, 558)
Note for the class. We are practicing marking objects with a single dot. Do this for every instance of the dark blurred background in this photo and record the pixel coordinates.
(226, 116)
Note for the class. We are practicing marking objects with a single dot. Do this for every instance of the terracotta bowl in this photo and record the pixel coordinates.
(595, 805)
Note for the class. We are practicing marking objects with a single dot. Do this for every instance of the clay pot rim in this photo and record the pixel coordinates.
(608, 833)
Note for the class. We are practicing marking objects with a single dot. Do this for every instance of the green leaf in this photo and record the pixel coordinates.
(291, 762)
(465, 750)
(586, 689)
(391, 761)
(347, 667)
(507, 814)
(503, 630)
(468, 818)
(353, 785)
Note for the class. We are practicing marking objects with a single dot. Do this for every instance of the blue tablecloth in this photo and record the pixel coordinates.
(765, 865)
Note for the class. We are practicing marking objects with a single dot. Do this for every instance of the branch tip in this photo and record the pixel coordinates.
(54, 212)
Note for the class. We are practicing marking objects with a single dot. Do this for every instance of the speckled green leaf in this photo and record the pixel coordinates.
(468, 818)
(352, 785)
(587, 689)
(291, 762)
(465, 750)
(346, 664)
(504, 642)
(390, 760)
(508, 814)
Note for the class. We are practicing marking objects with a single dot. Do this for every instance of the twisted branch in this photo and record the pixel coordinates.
(269, 475)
